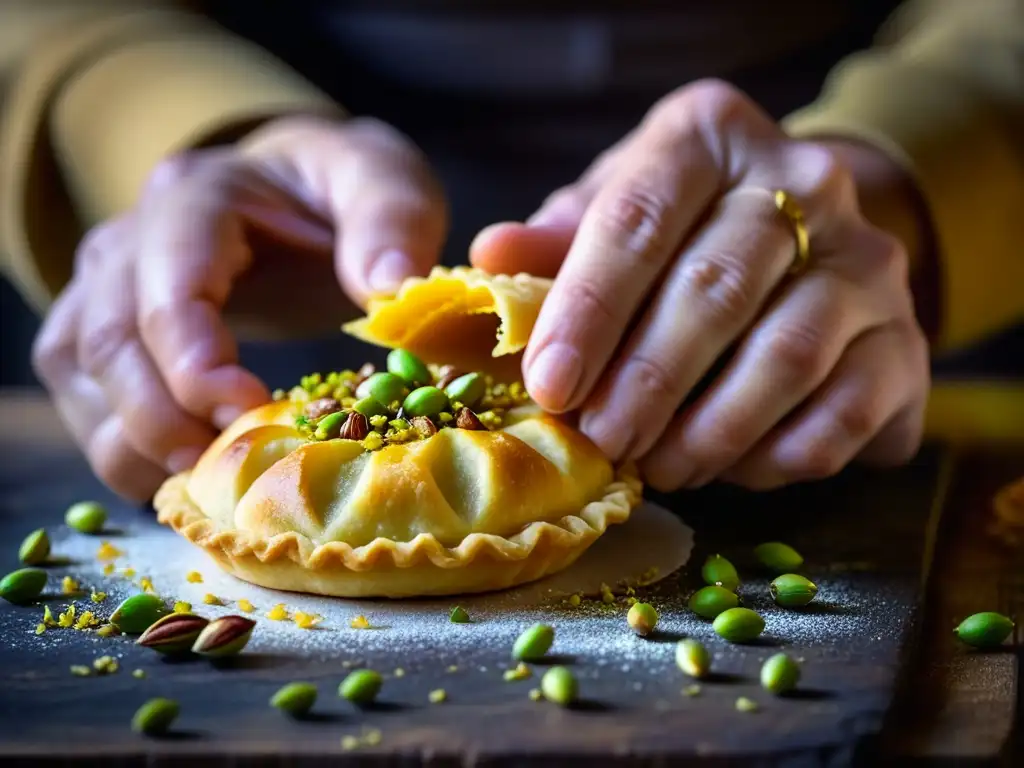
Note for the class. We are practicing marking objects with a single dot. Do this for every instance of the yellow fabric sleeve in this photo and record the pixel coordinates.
(943, 94)
(93, 99)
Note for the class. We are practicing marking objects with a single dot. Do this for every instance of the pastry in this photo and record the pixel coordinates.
(438, 476)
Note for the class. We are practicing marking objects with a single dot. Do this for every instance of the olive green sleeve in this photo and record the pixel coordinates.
(91, 100)
(943, 94)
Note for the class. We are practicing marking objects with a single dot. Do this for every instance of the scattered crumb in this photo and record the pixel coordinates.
(98, 597)
(128, 573)
(535, 694)
(87, 620)
(306, 620)
(194, 577)
(109, 569)
(399, 672)
(453, 668)
(209, 599)
(245, 606)
(48, 619)
(138, 673)
(349, 742)
(146, 584)
(574, 600)
(437, 696)
(108, 630)
(40, 628)
(360, 622)
(68, 585)
(278, 613)
(67, 618)
(520, 672)
(108, 551)
(743, 704)
(180, 606)
(106, 665)
(691, 690)
(372, 737)
(80, 670)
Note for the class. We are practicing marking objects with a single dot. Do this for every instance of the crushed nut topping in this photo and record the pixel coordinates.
(278, 613)
(210, 599)
(360, 622)
(108, 551)
(306, 620)
(194, 577)
(245, 606)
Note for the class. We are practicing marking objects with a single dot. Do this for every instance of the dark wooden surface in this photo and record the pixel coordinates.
(869, 541)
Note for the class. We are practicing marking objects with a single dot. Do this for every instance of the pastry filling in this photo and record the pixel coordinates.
(409, 401)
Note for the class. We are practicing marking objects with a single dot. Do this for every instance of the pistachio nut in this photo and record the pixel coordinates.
(174, 634)
(458, 615)
(778, 557)
(533, 643)
(295, 698)
(356, 427)
(35, 548)
(779, 674)
(692, 658)
(642, 618)
(321, 407)
(225, 636)
(791, 590)
(738, 625)
(361, 686)
(329, 427)
(466, 419)
(406, 366)
(559, 686)
(369, 406)
(385, 388)
(985, 630)
(468, 389)
(425, 401)
(22, 585)
(86, 517)
(138, 613)
(155, 716)
(708, 602)
(717, 571)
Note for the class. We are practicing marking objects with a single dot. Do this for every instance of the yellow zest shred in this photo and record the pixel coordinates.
(146, 584)
(535, 694)
(210, 599)
(181, 606)
(194, 577)
(86, 621)
(98, 597)
(48, 619)
(108, 569)
(520, 672)
(67, 618)
(245, 606)
(68, 585)
(107, 630)
(108, 551)
(306, 620)
(80, 670)
(278, 613)
(359, 622)
(139, 673)
(437, 696)
(40, 628)
(399, 672)
(128, 573)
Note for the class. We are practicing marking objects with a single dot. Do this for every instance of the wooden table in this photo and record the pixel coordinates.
(896, 689)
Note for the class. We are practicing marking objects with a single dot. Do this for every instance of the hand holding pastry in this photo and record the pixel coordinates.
(707, 230)
(136, 352)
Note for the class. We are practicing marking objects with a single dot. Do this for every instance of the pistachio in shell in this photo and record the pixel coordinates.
(225, 636)
(174, 634)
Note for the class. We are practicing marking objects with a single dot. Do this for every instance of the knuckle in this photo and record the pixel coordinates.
(816, 462)
(799, 349)
(100, 345)
(722, 282)
(714, 96)
(97, 246)
(825, 178)
(49, 349)
(856, 419)
(653, 382)
(635, 217)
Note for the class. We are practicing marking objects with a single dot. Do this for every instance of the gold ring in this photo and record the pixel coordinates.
(789, 208)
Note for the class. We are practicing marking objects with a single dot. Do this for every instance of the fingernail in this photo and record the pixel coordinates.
(225, 415)
(183, 458)
(389, 270)
(554, 375)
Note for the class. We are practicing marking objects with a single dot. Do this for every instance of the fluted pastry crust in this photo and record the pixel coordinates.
(460, 511)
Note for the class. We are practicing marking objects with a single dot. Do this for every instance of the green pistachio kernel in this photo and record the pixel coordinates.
(984, 630)
(22, 585)
(361, 686)
(738, 625)
(86, 517)
(467, 389)
(35, 548)
(693, 658)
(383, 387)
(780, 674)
(458, 615)
(559, 686)
(717, 571)
(708, 602)
(743, 704)
(295, 698)
(330, 425)
(155, 716)
(642, 618)
(791, 590)
(778, 557)
(138, 613)
(406, 366)
(533, 643)
(369, 406)
(425, 401)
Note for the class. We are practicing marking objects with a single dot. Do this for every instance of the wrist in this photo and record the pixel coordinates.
(890, 200)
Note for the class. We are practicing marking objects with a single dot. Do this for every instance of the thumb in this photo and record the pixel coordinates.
(509, 248)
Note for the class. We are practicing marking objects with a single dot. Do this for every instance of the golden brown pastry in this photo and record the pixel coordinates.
(422, 480)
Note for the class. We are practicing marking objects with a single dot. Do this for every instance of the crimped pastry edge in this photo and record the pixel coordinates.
(387, 568)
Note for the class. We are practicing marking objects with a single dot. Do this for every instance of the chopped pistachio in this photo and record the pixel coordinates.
(519, 672)
(278, 613)
(108, 551)
(80, 670)
(67, 618)
(210, 599)
(109, 569)
(536, 694)
(245, 606)
(40, 628)
(48, 619)
(107, 630)
(574, 600)
(128, 573)
(68, 585)
(98, 597)
(349, 742)
(743, 704)
(437, 696)
(138, 673)
(359, 622)
(106, 665)
(399, 672)
(180, 606)
(306, 620)
(146, 584)
(453, 667)
(458, 615)
(691, 690)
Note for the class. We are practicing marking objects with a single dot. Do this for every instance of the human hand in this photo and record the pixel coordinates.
(136, 352)
(670, 252)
